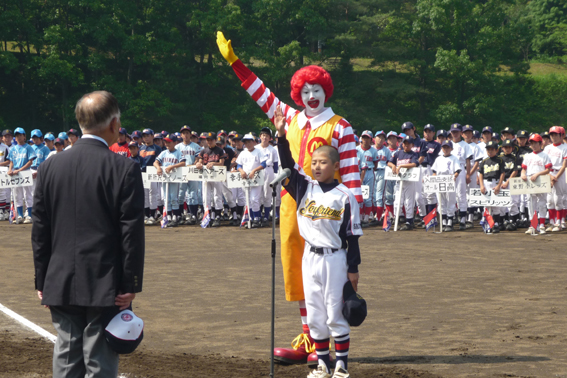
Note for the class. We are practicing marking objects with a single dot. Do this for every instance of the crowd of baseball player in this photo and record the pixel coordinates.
(477, 159)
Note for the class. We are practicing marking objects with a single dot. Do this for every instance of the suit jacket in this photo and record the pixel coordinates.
(88, 226)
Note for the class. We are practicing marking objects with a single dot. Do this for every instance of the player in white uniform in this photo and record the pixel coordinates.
(464, 153)
(4, 214)
(536, 164)
(189, 191)
(270, 155)
(250, 161)
(557, 152)
(368, 160)
(447, 164)
(328, 220)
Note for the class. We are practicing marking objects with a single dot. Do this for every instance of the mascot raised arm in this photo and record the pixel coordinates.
(316, 125)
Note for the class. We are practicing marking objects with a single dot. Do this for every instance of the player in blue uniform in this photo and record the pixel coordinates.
(149, 151)
(384, 154)
(190, 191)
(367, 167)
(429, 151)
(21, 157)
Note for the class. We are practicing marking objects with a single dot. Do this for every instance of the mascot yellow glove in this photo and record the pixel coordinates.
(225, 48)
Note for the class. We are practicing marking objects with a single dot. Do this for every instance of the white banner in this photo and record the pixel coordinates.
(541, 185)
(218, 173)
(178, 175)
(439, 184)
(235, 180)
(406, 174)
(502, 199)
(24, 178)
(365, 191)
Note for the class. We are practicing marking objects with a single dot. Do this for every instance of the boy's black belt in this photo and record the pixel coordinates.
(321, 251)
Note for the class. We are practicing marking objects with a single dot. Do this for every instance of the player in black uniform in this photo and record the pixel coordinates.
(524, 149)
(490, 176)
(511, 169)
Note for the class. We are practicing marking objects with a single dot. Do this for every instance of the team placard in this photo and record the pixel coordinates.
(439, 184)
(217, 173)
(365, 191)
(23, 178)
(235, 180)
(177, 175)
(502, 199)
(406, 174)
(542, 184)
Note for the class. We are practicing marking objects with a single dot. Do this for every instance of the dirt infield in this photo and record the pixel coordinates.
(460, 304)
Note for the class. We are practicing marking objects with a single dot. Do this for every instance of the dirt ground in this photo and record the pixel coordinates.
(460, 304)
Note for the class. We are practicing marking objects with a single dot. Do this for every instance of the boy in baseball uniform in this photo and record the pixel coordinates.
(491, 175)
(328, 220)
(250, 161)
(557, 152)
(535, 164)
(464, 153)
(270, 155)
(447, 164)
(210, 156)
(384, 154)
(21, 157)
(406, 158)
(368, 161)
(169, 159)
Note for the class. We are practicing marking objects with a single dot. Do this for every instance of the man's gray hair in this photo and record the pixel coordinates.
(95, 110)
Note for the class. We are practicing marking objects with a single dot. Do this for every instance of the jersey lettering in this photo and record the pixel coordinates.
(314, 212)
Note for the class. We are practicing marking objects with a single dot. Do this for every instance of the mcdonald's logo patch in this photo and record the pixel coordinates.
(315, 143)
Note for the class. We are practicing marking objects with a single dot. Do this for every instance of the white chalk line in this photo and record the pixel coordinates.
(34, 327)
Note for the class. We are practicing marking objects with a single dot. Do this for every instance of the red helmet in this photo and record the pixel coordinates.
(557, 129)
(536, 138)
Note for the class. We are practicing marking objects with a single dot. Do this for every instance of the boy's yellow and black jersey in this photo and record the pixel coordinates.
(510, 164)
(491, 168)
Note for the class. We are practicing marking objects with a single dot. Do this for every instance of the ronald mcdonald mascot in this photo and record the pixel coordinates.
(311, 87)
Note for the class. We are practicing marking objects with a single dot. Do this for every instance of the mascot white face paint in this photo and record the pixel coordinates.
(313, 97)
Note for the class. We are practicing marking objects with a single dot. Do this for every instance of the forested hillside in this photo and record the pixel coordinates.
(482, 62)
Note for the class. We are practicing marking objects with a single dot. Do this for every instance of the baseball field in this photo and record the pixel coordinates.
(461, 304)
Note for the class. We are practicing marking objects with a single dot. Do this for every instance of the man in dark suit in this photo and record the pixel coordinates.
(88, 239)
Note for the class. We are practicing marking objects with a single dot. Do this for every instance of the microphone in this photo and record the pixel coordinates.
(284, 173)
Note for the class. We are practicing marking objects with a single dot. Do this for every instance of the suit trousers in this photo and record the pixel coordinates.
(81, 349)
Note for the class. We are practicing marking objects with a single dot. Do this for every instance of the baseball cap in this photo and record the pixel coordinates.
(266, 130)
(467, 128)
(158, 136)
(7, 132)
(492, 144)
(63, 135)
(185, 127)
(429, 127)
(456, 127)
(447, 143)
(557, 130)
(49, 136)
(487, 129)
(136, 134)
(495, 136)
(366, 133)
(148, 132)
(124, 332)
(392, 133)
(237, 136)
(408, 139)
(380, 132)
(210, 135)
(194, 133)
(221, 132)
(401, 136)
(508, 130)
(506, 143)
(133, 144)
(220, 140)
(545, 134)
(354, 307)
(476, 134)
(170, 138)
(248, 136)
(356, 138)
(442, 133)
(19, 130)
(536, 138)
(522, 134)
(36, 133)
(232, 133)
(407, 125)
(59, 140)
(76, 132)
(203, 135)
(121, 131)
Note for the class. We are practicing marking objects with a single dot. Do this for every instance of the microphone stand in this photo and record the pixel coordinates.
(274, 194)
